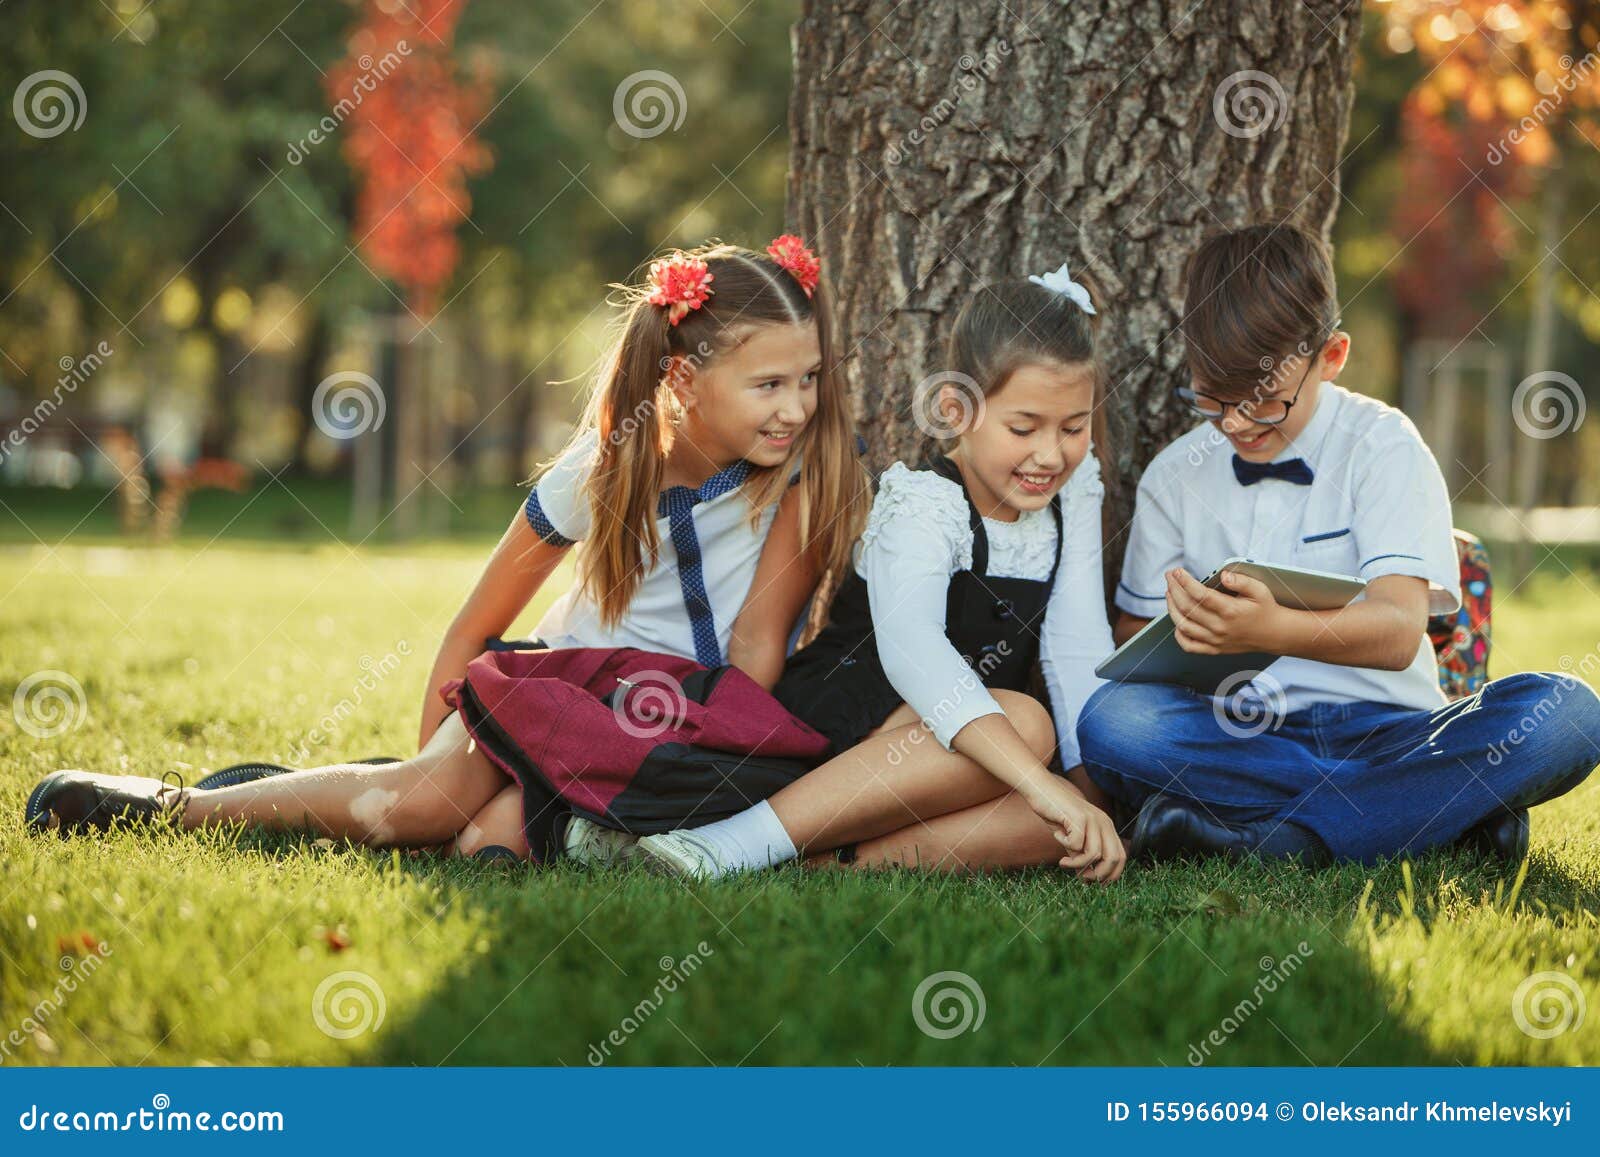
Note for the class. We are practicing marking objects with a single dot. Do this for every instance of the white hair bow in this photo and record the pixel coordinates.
(1061, 282)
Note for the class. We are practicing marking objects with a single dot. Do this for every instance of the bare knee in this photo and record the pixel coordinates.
(497, 824)
(470, 840)
(473, 839)
(433, 795)
(1031, 720)
(407, 806)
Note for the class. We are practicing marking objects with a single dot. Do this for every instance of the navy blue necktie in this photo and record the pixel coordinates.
(1294, 470)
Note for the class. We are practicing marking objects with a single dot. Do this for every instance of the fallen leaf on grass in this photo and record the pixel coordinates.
(79, 944)
(1217, 902)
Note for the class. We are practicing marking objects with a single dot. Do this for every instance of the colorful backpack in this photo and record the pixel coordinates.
(1461, 639)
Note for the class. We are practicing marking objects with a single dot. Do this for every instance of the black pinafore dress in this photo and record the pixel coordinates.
(837, 684)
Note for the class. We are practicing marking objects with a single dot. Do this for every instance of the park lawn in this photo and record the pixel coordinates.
(214, 950)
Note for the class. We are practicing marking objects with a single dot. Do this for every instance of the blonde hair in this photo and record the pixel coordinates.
(632, 408)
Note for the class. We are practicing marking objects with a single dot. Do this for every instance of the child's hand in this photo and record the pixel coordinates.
(1241, 617)
(1094, 850)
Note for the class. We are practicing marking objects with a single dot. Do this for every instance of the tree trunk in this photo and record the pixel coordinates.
(1539, 352)
(941, 144)
(308, 375)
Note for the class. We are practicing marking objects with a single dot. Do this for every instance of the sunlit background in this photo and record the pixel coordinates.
(210, 211)
(295, 294)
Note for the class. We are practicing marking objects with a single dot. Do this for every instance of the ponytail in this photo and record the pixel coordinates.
(635, 411)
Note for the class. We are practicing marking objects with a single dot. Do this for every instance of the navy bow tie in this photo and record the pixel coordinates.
(1294, 470)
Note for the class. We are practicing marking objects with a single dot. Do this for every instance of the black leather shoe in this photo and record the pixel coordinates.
(1503, 836)
(81, 801)
(1123, 816)
(498, 854)
(1169, 827)
(239, 773)
(250, 772)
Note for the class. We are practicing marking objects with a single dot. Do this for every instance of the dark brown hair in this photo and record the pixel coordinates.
(1255, 296)
(633, 409)
(1014, 323)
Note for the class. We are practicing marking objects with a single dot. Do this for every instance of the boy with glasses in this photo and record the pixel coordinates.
(1345, 747)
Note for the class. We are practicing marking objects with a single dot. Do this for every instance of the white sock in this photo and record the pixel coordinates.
(752, 839)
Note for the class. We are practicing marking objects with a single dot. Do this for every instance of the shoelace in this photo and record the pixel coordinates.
(704, 846)
(591, 840)
(173, 809)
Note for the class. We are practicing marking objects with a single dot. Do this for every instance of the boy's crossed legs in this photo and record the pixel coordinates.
(1357, 780)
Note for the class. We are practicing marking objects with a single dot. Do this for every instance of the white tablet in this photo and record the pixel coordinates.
(1154, 656)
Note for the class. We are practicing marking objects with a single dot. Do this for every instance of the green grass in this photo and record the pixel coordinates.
(288, 510)
(200, 655)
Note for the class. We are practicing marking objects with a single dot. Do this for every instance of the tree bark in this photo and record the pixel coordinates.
(940, 144)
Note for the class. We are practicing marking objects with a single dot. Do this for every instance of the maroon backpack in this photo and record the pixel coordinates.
(636, 741)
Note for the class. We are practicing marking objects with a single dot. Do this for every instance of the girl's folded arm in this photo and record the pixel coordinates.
(785, 578)
(514, 573)
(907, 561)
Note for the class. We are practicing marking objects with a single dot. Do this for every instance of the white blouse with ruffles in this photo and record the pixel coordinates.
(918, 535)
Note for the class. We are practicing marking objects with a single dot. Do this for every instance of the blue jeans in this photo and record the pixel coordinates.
(1370, 779)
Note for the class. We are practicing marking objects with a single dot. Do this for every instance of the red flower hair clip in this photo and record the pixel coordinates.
(791, 253)
(680, 283)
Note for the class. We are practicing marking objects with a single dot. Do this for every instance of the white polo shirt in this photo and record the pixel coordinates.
(1376, 505)
(687, 602)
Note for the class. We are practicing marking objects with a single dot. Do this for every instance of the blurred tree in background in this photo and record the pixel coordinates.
(202, 217)
(195, 220)
(1469, 236)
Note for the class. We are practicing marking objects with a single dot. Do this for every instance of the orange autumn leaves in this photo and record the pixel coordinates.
(1503, 86)
(411, 140)
(1503, 65)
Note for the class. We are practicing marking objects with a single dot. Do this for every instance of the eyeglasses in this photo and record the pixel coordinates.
(1266, 411)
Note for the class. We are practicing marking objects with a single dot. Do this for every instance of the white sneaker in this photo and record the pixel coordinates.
(683, 854)
(593, 846)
